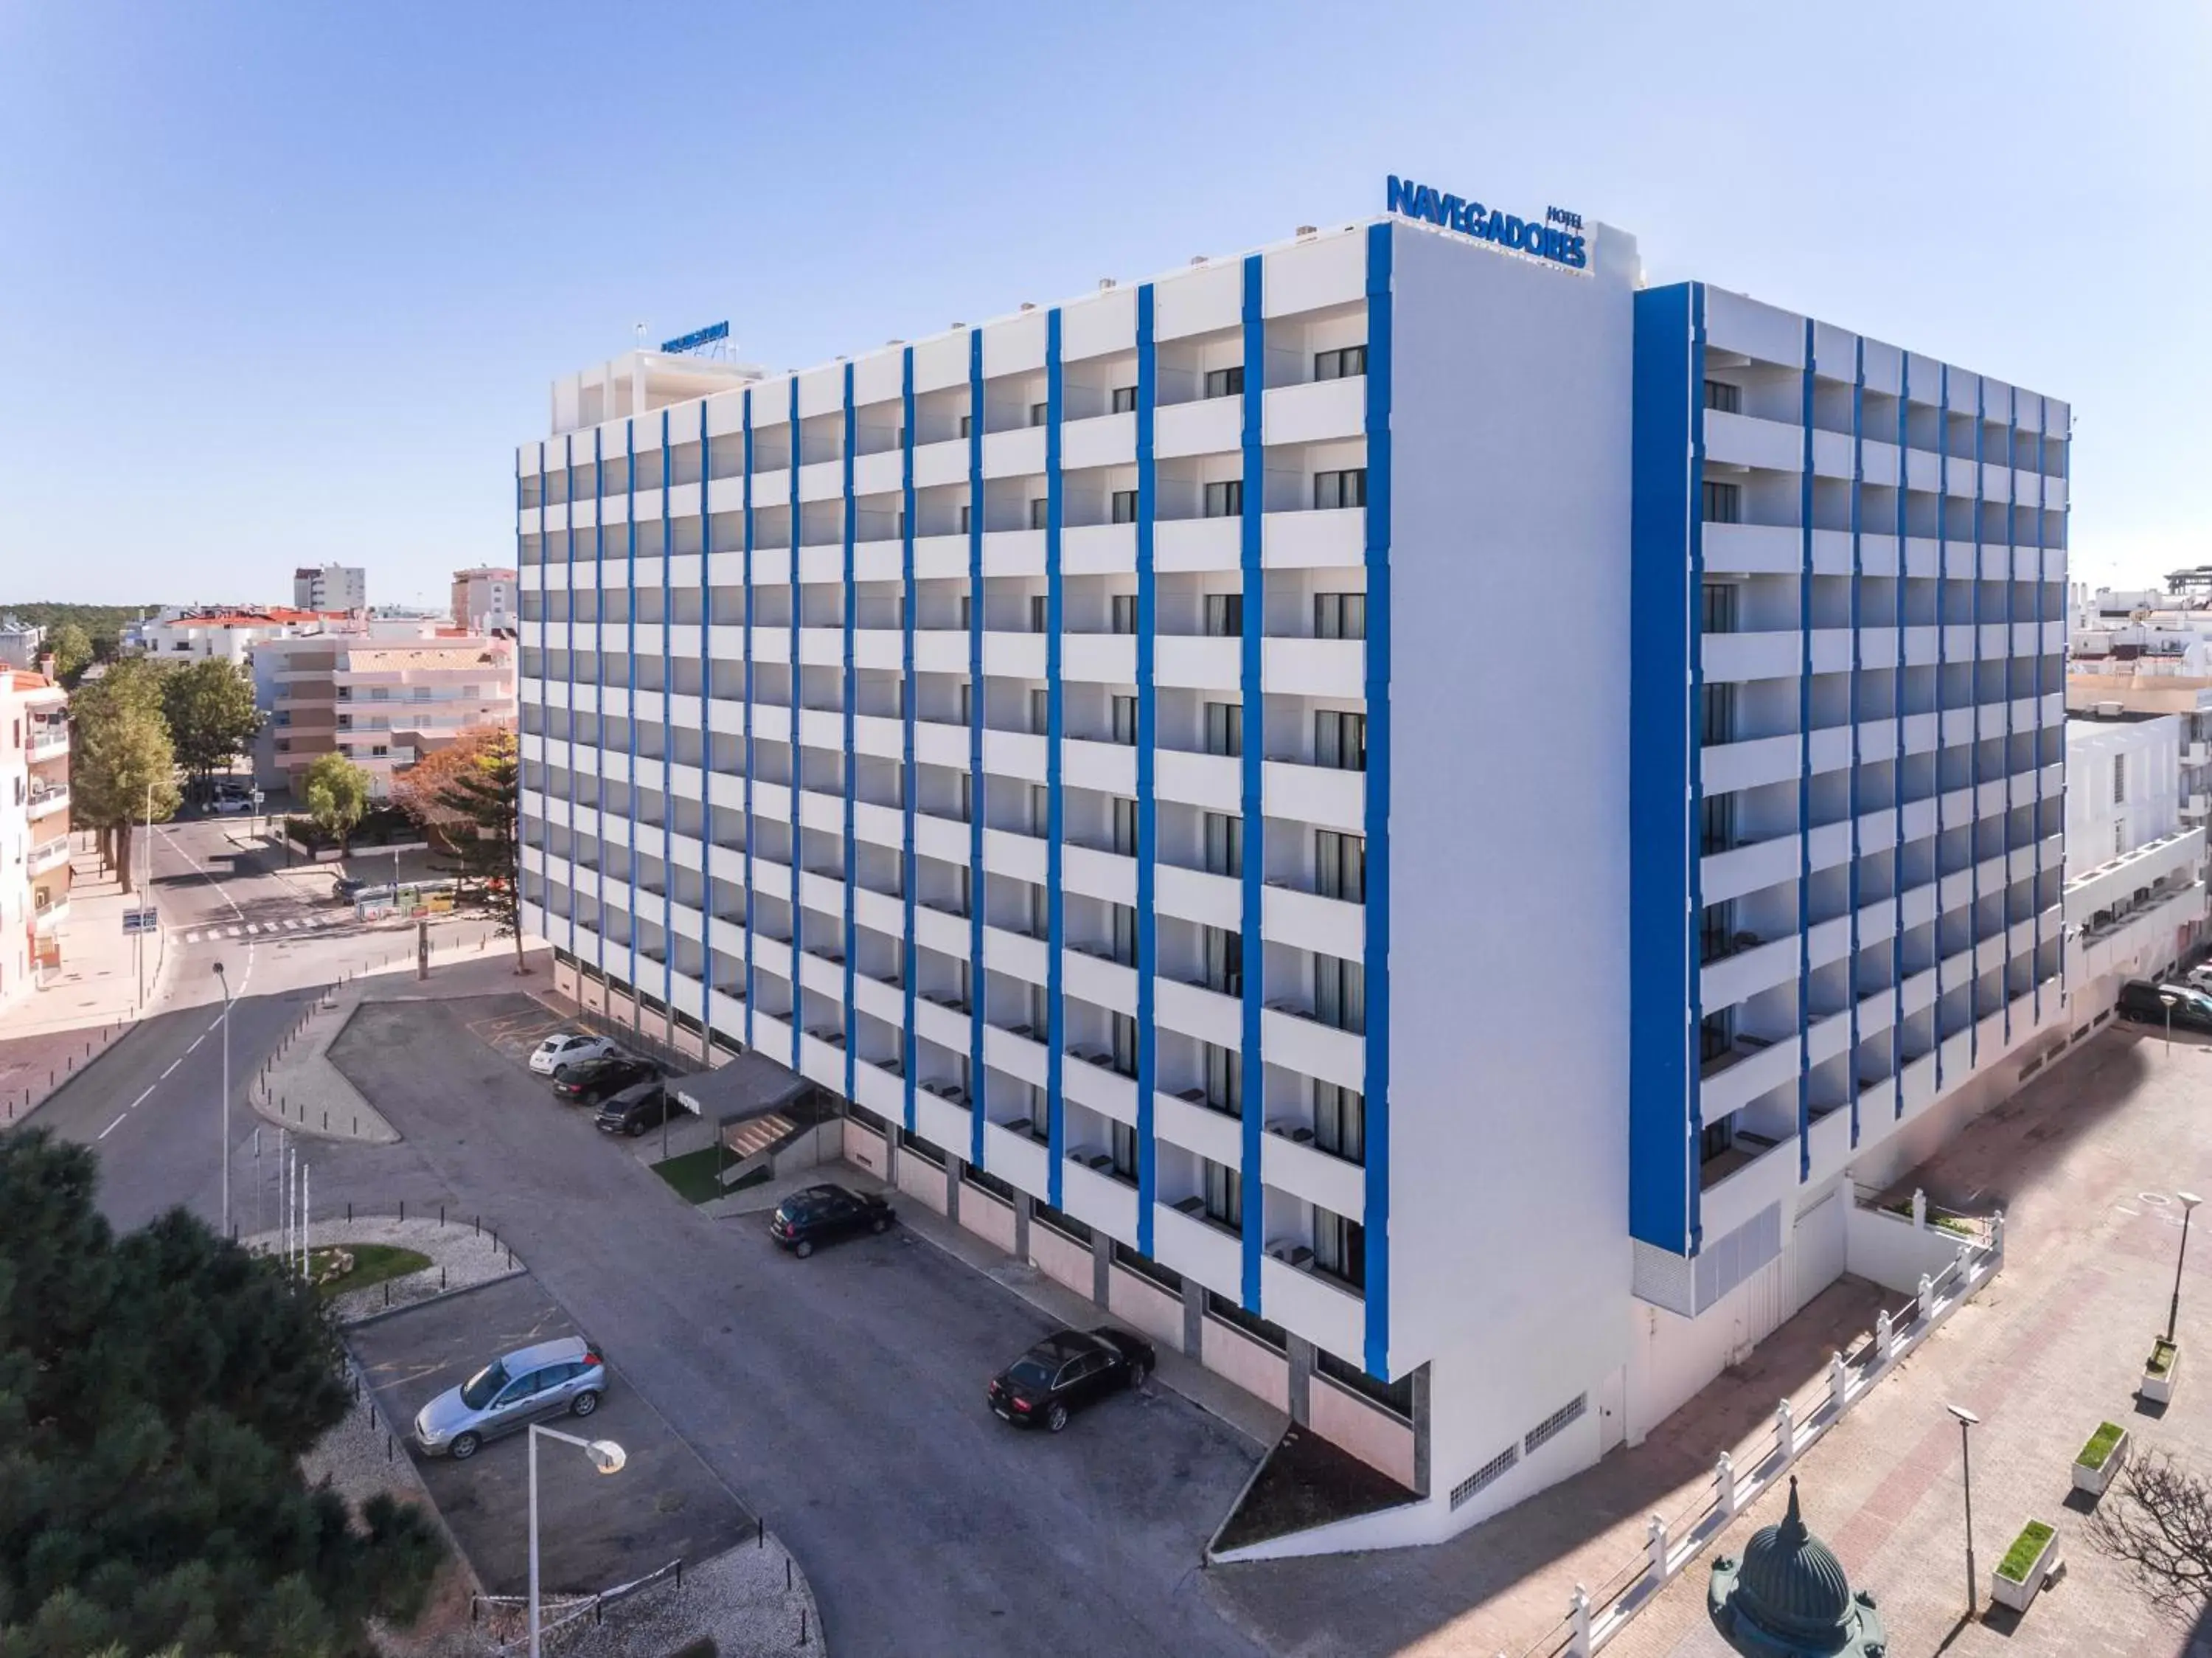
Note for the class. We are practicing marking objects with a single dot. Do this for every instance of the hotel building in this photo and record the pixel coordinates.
(1105, 745)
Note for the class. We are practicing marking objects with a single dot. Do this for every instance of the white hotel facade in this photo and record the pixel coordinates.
(1108, 745)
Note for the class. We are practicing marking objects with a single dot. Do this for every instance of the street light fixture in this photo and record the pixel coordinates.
(2189, 1201)
(606, 1456)
(2167, 998)
(1967, 1420)
(220, 979)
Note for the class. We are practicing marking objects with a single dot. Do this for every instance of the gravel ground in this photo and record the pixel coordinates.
(737, 1599)
(467, 1257)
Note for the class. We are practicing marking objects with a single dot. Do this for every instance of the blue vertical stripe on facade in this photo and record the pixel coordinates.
(1805, 773)
(706, 766)
(849, 762)
(1253, 1075)
(1897, 817)
(1055, 977)
(750, 902)
(568, 597)
(1665, 569)
(1942, 669)
(1375, 820)
(629, 689)
(2042, 587)
(668, 938)
(1974, 754)
(1147, 800)
(599, 929)
(907, 715)
(978, 979)
(1858, 572)
(797, 764)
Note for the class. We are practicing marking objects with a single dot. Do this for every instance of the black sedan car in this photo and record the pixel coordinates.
(638, 1108)
(1066, 1371)
(588, 1081)
(823, 1212)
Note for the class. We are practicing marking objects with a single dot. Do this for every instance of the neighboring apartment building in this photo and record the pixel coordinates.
(1075, 741)
(184, 634)
(485, 600)
(21, 644)
(330, 586)
(34, 829)
(2134, 870)
(383, 703)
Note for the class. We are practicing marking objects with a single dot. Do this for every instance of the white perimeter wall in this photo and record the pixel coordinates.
(1509, 990)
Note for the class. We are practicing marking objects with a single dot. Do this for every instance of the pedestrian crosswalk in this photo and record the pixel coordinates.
(265, 928)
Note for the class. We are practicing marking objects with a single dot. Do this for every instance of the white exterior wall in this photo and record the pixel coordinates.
(2135, 861)
(330, 586)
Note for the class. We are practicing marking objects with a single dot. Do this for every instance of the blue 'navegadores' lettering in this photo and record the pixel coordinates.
(1555, 237)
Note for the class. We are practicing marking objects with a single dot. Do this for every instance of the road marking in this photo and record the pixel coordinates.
(140, 1099)
(111, 1128)
(252, 927)
(173, 1063)
(197, 1040)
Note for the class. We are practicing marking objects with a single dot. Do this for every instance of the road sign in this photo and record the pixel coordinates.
(148, 920)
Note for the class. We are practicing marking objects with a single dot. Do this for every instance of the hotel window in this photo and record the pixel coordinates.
(1224, 1079)
(1226, 499)
(1224, 845)
(1347, 488)
(1125, 934)
(1340, 1122)
(1124, 1039)
(2119, 779)
(1722, 504)
(1342, 364)
(1339, 616)
(1715, 930)
(967, 424)
(1224, 728)
(1340, 1247)
(1340, 993)
(1340, 740)
(1224, 960)
(1040, 714)
(1715, 1139)
(1125, 719)
(1124, 1140)
(1224, 615)
(1341, 866)
(1715, 824)
(1226, 382)
(1124, 612)
(1040, 613)
(1125, 826)
(1224, 1194)
(963, 518)
(1040, 511)
(1719, 599)
(1720, 395)
(1040, 809)
(1716, 1034)
(1124, 507)
(1040, 414)
(1716, 713)
(1125, 399)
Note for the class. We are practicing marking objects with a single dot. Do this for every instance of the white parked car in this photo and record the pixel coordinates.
(2200, 976)
(567, 1048)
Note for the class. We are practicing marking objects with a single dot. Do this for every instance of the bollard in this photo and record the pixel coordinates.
(1724, 1478)
(802, 1626)
(357, 1126)
(387, 1448)
(760, 1533)
(442, 1215)
(1655, 1538)
(387, 1292)
(349, 1213)
(786, 1574)
(1785, 1430)
(403, 1209)
(442, 1277)
(327, 1122)
(679, 1571)
(477, 1223)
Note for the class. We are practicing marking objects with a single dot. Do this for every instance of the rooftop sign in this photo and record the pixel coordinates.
(697, 337)
(1558, 236)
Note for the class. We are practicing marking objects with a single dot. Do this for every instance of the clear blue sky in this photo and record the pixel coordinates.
(285, 282)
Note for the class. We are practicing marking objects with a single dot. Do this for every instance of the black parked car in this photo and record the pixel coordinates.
(638, 1108)
(1066, 1371)
(2143, 1002)
(823, 1212)
(588, 1081)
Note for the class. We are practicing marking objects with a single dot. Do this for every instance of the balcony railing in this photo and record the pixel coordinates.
(48, 855)
(45, 801)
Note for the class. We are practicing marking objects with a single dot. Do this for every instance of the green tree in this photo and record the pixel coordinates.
(72, 651)
(121, 763)
(209, 707)
(156, 1391)
(470, 797)
(337, 795)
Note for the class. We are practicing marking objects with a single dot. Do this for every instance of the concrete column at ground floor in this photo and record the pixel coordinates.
(1021, 1226)
(953, 1170)
(1421, 1430)
(890, 1157)
(1301, 1378)
(1102, 1264)
(1194, 1317)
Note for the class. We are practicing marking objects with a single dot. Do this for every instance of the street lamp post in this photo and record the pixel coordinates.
(2189, 1201)
(2167, 1002)
(1967, 1420)
(224, 981)
(606, 1456)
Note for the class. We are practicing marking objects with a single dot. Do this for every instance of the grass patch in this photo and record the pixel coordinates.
(2100, 1445)
(2021, 1555)
(1307, 1482)
(373, 1264)
(694, 1174)
(1957, 1225)
(2161, 1358)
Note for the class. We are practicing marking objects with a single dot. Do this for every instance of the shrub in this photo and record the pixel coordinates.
(2161, 1357)
(2021, 1555)
(2100, 1445)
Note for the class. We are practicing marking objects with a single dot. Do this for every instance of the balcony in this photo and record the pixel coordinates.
(47, 917)
(47, 854)
(48, 739)
(44, 802)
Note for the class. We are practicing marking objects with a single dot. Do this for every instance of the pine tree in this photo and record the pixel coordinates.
(479, 807)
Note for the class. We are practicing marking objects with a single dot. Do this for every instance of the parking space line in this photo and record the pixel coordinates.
(111, 1128)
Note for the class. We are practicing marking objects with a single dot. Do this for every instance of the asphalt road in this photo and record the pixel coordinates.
(841, 1396)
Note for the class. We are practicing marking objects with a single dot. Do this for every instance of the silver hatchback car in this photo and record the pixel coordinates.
(555, 1377)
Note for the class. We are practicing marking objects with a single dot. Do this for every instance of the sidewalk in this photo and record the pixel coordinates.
(98, 982)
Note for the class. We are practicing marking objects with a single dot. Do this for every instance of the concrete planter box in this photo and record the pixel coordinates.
(2162, 1372)
(2101, 1459)
(2032, 1556)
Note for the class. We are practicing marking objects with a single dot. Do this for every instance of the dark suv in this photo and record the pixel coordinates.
(638, 1108)
(823, 1212)
(587, 1082)
(2142, 1002)
(1067, 1371)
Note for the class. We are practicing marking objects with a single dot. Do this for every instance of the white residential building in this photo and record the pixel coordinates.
(486, 600)
(226, 631)
(2135, 869)
(1083, 743)
(34, 829)
(21, 644)
(330, 586)
(383, 703)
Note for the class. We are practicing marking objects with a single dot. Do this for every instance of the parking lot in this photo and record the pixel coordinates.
(595, 1531)
(841, 1396)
